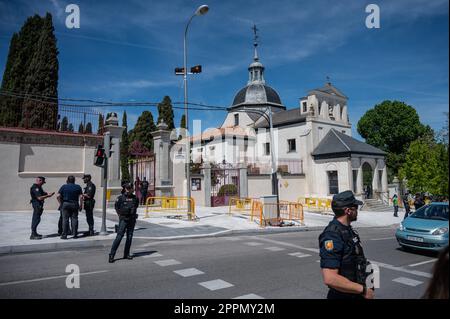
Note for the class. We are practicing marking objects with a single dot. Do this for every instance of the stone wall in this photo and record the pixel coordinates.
(26, 154)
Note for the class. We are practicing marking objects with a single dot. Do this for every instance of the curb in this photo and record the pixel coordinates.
(17, 249)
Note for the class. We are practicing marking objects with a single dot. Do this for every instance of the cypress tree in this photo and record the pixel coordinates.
(88, 129)
(182, 125)
(31, 68)
(142, 130)
(64, 124)
(42, 78)
(165, 112)
(70, 128)
(101, 124)
(124, 146)
(81, 128)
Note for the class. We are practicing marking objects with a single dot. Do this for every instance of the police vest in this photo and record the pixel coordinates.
(354, 263)
(127, 206)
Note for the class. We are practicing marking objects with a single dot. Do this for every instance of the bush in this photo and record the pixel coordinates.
(228, 190)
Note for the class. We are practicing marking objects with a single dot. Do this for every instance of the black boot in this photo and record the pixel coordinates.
(64, 237)
(91, 233)
(128, 257)
(35, 236)
(111, 259)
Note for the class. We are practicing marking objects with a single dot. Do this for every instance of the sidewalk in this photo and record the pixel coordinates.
(212, 221)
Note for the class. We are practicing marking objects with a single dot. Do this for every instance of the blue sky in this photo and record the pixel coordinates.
(127, 50)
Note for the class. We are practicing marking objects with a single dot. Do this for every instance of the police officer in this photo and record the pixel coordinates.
(70, 197)
(38, 197)
(126, 207)
(89, 202)
(144, 190)
(341, 255)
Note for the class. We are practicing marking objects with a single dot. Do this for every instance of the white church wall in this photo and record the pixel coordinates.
(321, 167)
(244, 119)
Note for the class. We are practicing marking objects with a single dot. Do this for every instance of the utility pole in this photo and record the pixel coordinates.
(106, 146)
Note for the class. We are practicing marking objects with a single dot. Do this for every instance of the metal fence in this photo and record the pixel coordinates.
(49, 116)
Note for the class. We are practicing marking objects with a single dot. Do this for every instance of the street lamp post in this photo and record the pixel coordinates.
(203, 9)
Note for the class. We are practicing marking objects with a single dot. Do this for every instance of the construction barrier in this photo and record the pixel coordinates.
(240, 205)
(170, 205)
(315, 204)
(267, 213)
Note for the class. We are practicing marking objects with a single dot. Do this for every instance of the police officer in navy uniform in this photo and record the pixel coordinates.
(126, 207)
(38, 197)
(70, 197)
(344, 266)
(89, 202)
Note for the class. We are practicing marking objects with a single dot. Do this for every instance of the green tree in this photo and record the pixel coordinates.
(81, 128)
(426, 167)
(64, 124)
(392, 126)
(101, 124)
(143, 129)
(182, 125)
(32, 68)
(165, 112)
(88, 129)
(124, 149)
(70, 128)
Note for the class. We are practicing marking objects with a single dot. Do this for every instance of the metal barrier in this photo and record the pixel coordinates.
(267, 213)
(240, 205)
(315, 204)
(174, 205)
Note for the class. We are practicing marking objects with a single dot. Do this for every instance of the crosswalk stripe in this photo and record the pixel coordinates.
(188, 272)
(167, 262)
(299, 255)
(215, 284)
(407, 281)
(249, 296)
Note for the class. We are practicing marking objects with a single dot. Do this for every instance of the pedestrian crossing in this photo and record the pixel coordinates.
(219, 284)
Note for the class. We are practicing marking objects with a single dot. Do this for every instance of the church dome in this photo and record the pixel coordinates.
(257, 93)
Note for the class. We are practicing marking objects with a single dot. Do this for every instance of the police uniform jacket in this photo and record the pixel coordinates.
(126, 206)
(340, 248)
(35, 192)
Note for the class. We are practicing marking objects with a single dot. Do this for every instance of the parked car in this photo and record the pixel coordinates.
(427, 228)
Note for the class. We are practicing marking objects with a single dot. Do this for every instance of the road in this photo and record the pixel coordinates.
(254, 266)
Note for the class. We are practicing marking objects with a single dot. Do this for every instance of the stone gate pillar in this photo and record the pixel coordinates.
(114, 178)
(161, 147)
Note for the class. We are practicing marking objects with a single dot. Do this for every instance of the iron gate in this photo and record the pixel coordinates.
(144, 167)
(224, 184)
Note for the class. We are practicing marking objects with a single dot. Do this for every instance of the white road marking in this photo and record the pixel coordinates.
(408, 281)
(249, 296)
(379, 264)
(49, 278)
(384, 238)
(423, 262)
(232, 238)
(314, 250)
(299, 255)
(402, 269)
(167, 262)
(215, 284)
(253, 244)
(274, 248)
(153, 255)
(188, 272)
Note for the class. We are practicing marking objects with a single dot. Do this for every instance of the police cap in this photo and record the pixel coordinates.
(42, 178)
(345, 199)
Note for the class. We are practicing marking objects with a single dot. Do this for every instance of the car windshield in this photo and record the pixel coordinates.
(439, 212)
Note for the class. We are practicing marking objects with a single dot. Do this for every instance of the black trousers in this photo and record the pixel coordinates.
(334, 294)
(125, 225)
(407, 212)
(89, 207)
(144, 197)
(395, 211)
(70, 210)
(38, 209)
